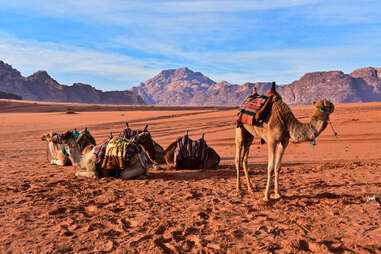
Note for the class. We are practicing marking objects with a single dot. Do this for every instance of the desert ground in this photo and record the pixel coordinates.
(46, 209)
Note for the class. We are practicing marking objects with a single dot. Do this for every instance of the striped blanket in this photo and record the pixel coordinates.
(100, 150)
(251, 110)
(187, 148)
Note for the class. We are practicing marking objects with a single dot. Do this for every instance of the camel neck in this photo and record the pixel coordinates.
(307, 131)
(74, 153)
(153, 154)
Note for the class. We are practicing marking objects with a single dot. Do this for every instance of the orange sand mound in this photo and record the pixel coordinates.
(46, 209)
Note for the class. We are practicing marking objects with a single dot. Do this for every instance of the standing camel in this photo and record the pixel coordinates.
(165, 159)
(86, 163)
(276, 130)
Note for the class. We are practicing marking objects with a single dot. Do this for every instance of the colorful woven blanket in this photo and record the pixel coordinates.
(251, 110)
(118, 152)
(100, 150)
(187, 148)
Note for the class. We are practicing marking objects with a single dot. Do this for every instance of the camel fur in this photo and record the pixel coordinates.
(54, 150)
(277, 129)
(87, 166)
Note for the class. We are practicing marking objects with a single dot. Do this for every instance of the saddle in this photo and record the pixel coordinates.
(190, 150)
(114, 153)
(255, 108)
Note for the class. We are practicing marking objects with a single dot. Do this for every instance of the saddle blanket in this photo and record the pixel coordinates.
(251, 106)
(192, 149)
(100, 150)
(118, 152)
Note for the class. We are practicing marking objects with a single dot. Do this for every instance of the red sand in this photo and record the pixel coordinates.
(46, 209)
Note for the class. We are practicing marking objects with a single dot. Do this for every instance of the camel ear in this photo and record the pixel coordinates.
(314, 102)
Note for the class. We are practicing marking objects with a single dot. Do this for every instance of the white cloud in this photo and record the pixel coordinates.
(29, 56)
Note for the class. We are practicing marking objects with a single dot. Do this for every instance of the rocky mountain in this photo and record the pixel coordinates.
(9, 96)
(185, 87)
(41, 87)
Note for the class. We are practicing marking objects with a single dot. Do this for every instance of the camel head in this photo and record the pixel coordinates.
(49, 137)
(213, 158)
(144, 137)
(85, 138)
(66, 138)
(324, 106)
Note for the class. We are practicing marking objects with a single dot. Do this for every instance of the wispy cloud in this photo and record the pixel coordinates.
(238, 41)
(61, 59)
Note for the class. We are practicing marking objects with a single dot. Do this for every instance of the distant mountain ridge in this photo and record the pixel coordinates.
(9, 96)
(41, 87)
(185, 87)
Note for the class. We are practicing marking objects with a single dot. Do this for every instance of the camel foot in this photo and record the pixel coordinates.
(266, 199)
(86, 173)
(277, 196)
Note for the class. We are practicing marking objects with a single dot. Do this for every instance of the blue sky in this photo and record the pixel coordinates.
(116, 44)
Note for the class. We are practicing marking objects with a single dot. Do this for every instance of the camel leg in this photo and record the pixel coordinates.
(271, 145)
(91, 169)
(238, 151)
(86, 173)
(281, 147)
(163, 166)
(247, 143)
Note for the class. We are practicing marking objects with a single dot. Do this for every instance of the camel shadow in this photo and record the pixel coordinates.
(197, 174)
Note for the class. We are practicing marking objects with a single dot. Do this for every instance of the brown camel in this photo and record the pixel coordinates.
(165, 159)
(86, 163)
(55, 151)
(279, 126)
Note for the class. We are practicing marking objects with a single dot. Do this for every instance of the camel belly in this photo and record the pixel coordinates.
(257, 131)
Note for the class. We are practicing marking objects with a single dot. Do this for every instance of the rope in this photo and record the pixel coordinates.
(374, 196)
(47, 151)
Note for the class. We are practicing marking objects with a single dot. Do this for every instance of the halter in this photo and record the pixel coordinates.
(328, 109)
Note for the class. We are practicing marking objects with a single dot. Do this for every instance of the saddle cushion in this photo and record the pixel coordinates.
(255, 107)
(118, 153)
(100, 150)
(187, 148)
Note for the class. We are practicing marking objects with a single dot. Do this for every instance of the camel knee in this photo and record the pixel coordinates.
(57, 162)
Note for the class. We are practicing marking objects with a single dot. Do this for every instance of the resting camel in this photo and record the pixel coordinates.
(165, 159)
(54, 150)
(277, 129)
(86, 163)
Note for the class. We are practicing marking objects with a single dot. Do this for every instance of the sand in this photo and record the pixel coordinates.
(46, 209)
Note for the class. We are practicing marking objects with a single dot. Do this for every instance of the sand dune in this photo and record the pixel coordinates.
(46, 209)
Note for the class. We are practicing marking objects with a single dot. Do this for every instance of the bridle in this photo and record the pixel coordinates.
(328, 109)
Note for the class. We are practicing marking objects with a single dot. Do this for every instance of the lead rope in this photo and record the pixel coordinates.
(47, 151)
(374, 196)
